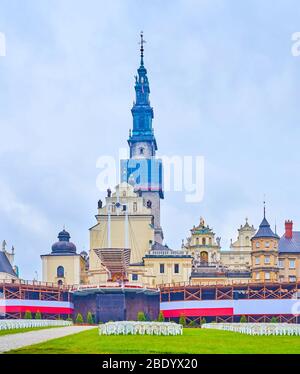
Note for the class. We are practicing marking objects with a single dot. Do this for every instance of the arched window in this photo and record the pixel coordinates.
(60, 272)
(203, 241)
(141, 151)
(197, 241)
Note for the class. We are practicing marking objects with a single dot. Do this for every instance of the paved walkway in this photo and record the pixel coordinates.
(15, 341)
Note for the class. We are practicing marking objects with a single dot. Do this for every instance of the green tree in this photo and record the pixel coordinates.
(161, 317)
(274, 319)
(182, 320)
(141, 316)
(38, 315)
(28, 315)
(192, 323)
(79, 319)
(89, 318)
(202, 321)
(243, 319)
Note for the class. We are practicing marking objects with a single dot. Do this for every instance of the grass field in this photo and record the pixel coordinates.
(16, 331)
(192, 341)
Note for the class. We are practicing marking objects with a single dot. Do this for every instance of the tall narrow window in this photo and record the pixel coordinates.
(134, 206)
(292, 264)
(161, 268)
(176, 268)
(60, 272)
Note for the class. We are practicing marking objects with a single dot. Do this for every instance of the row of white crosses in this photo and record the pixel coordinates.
(257, 328)
(140, 328)
(9, 324)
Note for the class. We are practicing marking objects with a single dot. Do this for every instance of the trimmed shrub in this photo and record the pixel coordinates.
(79, 319)
(243, 319)
(89, 318)
(182, 320)
(202, 321)
(192, 323)
(161, 317)
(274, 319)
(38, 315)
(28, 315)
(141, 317)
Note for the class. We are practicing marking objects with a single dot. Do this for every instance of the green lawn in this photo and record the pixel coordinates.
(16, 331)
(192, 341)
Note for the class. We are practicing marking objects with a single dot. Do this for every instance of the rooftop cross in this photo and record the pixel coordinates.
(142, 47)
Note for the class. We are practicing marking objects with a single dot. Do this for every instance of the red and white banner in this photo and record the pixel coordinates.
(42, 306)
(204, 308)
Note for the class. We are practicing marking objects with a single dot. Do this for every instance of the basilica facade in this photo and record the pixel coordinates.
(128, 227)
(127, 240)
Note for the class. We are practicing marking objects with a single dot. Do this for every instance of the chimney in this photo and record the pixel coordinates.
(288, 229)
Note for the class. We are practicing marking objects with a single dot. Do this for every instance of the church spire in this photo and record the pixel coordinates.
(142, 47)
(142, 112)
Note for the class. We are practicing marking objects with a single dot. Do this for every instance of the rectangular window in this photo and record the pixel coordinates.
(257, 260)
(281, 263)
(267, 259)
(161, 268)
(257, 276)
(292, 264)
(292, 278)
(135, 277)
(267, 276)
(176, 268)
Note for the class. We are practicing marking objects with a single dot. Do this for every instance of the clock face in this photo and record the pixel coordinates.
(118, 205)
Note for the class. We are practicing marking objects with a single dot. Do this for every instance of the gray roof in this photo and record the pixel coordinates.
(290, 245)
(265, 231)
(5, 265)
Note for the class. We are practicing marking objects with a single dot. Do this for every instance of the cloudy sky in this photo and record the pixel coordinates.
(224, 85)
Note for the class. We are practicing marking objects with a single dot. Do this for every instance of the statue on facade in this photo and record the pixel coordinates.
(100, 204)
(108, 192)
(149, 204)
(4, 245)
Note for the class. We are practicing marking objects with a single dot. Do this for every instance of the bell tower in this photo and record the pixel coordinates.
(143, 170)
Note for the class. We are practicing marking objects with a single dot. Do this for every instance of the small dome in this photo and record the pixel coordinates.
(64, 245)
